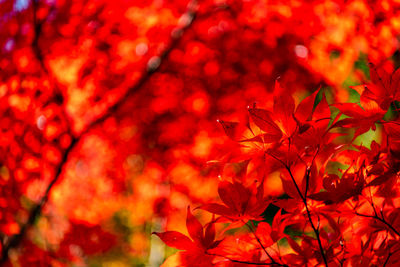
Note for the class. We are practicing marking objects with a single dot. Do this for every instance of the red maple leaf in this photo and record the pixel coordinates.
(384, 87)
(240, 203)
(340, 189)
(194, 248)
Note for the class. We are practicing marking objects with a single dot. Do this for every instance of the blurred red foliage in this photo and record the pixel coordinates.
(108, 127)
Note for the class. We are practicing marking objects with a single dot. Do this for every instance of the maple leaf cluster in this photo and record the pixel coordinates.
(329, 209)
(108, 132)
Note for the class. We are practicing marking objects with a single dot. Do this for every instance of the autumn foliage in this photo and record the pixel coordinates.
(199, 133)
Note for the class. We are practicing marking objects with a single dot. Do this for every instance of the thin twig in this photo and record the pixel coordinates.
(251, 228)
(304, 199)
(387, 259)
(382, 220)
(316, 231)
